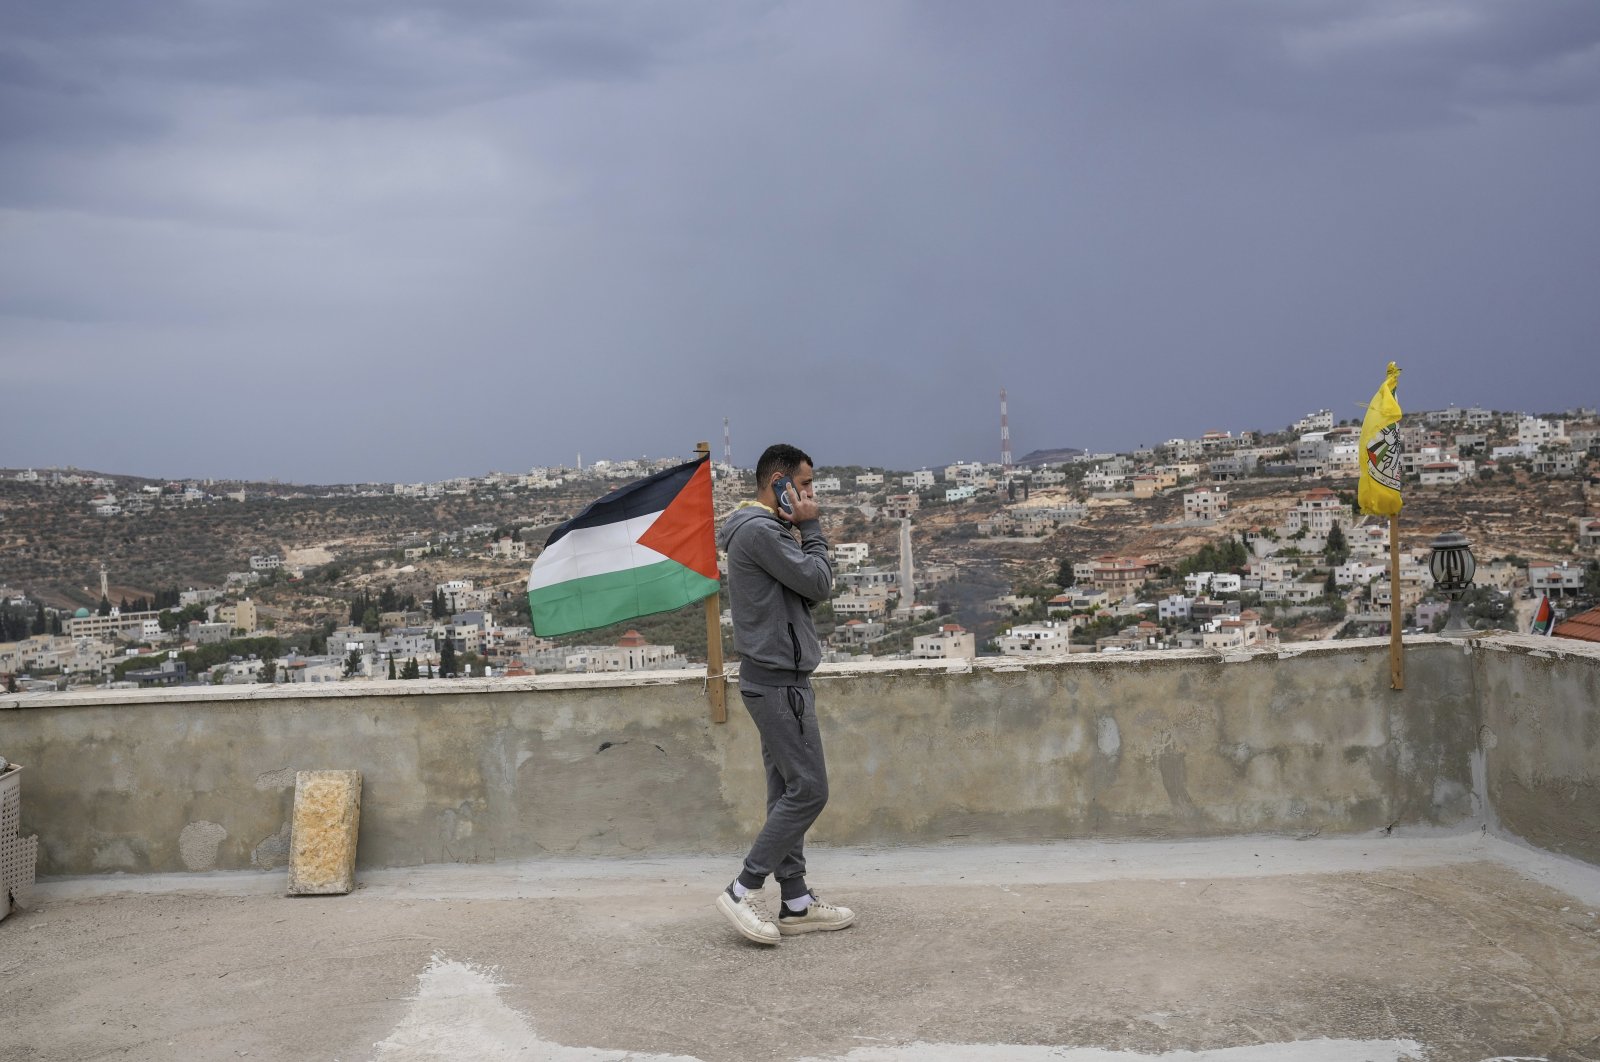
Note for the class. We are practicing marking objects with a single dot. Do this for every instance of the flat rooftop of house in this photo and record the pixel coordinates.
(1383, 947)
(1279, 854)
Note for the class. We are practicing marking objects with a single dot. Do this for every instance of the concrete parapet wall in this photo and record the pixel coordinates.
(1539, 739)
(1304, 739)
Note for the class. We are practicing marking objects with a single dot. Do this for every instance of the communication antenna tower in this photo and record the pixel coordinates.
(1005, 435)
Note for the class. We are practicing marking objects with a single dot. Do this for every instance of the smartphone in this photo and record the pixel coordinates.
(780, 492)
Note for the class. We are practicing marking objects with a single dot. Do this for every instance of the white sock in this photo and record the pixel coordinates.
(799, 903)
(739, 891)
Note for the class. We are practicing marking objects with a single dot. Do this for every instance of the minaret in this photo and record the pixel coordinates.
(105, 590)
(1005, 435)
(727, 444)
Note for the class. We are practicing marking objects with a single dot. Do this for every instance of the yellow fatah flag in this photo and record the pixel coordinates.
(1379, 492)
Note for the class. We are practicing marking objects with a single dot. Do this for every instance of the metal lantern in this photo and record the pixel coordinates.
(1453, 567)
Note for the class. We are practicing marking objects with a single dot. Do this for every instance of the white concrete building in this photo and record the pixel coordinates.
(950, 642)
(1538, 431)
(851, 554)
(1173, 608)
(1050, 638)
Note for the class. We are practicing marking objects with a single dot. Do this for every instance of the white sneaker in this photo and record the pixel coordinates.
(747, 916)
(817, 918)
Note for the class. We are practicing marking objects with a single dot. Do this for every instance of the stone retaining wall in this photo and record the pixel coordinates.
(1303, 740)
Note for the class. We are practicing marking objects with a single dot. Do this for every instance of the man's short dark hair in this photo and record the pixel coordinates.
(780, 457)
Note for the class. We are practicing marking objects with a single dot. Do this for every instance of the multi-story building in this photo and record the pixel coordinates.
(1049, 638)
(851, 554)
(1174, 608)
(1205, 504)
(1321, 420)
(1311, 455)
(1440, 473)
(118, 624)
(1555, 577)
(1236, 466)
(1117, 574)
(1245, 629)
(1589, 535)
(1560, 463)
(1538, 431)
(900, 506)
(860, 606)
(1317, 513)
(949, 642)
(857, 632)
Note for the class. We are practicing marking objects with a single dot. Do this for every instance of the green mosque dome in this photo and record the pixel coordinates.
(80, 614)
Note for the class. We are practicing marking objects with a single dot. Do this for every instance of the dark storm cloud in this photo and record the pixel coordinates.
(470, 235)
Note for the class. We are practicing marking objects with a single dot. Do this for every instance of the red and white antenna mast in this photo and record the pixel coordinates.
(1005, 435)
(727, 444)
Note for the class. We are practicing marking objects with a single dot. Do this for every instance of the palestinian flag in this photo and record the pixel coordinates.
(644, 548)
(1544, 617)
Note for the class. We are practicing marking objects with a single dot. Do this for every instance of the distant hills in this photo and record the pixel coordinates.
(1049, 457)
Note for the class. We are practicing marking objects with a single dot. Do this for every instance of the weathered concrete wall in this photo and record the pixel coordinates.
(1540, 739)
(1138, 745)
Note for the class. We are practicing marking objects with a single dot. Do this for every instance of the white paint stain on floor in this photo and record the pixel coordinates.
(458, 1016)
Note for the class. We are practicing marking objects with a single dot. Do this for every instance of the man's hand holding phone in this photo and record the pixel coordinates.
(793, 506)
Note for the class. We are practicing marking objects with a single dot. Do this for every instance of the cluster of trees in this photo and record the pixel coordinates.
(17, 624)
(365, 609)
(1228, 555)
(202, 657)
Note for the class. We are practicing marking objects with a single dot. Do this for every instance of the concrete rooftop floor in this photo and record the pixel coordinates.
(1437, 947)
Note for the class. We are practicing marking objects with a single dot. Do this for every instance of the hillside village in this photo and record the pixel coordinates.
(1232, 539)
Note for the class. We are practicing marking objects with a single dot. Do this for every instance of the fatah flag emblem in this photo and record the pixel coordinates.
(646, 547)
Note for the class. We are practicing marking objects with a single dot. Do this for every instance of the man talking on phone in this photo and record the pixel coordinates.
(778, 571)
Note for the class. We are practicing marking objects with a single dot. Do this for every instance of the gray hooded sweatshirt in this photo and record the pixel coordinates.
(773, 583)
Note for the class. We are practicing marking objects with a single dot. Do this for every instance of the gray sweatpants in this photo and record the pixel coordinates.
(797, 777)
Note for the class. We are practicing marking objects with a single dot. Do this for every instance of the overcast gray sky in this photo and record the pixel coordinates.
(368, 241)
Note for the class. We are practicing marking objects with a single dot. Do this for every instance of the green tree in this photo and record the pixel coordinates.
(411, 670)
(369, 620)
(352, 663)
(391, 666)
(269, 670)
(1337, 550)
(1330, 586)
(105, 606)
(39, 624)
(447, 659)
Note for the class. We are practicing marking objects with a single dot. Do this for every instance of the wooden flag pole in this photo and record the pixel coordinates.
(1397, 664)
(716, 685)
